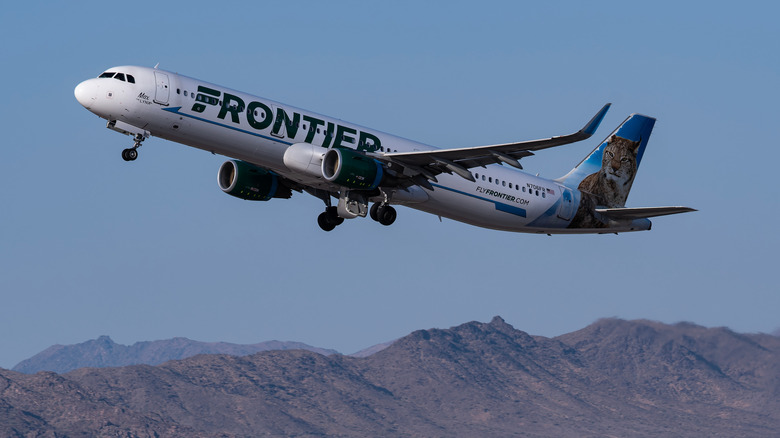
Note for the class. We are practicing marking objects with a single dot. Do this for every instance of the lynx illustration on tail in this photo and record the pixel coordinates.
(611, 184)
(609, 187)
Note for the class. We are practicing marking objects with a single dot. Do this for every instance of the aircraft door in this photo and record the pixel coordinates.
(163, 90)
(566, 209)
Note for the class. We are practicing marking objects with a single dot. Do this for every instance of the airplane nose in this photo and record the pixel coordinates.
(85, 94)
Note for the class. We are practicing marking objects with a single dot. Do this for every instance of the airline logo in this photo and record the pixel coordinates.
(490, 192)
(260, 116)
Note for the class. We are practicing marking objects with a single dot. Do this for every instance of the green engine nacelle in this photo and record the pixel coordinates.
(351, 169)
(246, 181)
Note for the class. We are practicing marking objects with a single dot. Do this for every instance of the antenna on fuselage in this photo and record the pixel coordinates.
(156, 65)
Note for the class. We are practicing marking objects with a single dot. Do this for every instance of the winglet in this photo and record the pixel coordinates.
(594, 123)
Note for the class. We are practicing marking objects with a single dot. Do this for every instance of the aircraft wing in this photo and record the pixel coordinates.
(430, 163)
(641, 212)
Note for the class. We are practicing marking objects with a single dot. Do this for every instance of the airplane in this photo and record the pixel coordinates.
(277, 149)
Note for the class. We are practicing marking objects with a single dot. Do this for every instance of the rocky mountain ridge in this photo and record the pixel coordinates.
(612, 378)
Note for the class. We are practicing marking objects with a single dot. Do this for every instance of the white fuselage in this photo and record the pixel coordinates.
(259, 131)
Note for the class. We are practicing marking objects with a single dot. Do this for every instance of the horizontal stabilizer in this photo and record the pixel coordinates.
(641, 212)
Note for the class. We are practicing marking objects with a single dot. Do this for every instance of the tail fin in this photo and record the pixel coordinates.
(609, 171)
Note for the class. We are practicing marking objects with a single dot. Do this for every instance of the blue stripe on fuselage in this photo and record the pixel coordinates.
(510, 209)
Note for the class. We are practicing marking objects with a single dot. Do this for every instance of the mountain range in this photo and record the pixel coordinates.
(612, 378)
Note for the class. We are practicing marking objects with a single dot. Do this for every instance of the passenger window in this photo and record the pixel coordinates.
(130, 79)
(490, 179)
(523, 189)
(510, 185)
(543, 195)
(483, 177)
(537, 193)
(185, 93)
(208, 99)
(503, 183)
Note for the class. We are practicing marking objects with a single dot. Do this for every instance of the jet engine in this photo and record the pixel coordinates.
(246, 181)
(351, 169)
(304, 158)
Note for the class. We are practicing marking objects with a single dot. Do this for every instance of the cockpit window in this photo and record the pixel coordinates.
(118, 76)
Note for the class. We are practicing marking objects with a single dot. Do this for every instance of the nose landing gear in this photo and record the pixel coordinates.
(130, 154)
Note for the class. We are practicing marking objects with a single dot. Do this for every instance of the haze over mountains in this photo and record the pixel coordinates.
(103, 352)
(612, 378)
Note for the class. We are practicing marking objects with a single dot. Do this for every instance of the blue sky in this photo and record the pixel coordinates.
(91, 245)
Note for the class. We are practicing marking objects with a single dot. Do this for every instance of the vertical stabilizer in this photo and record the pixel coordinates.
(608, 172)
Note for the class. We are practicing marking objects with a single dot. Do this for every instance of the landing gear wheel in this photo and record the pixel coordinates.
(324, 222)
(373, 211)
(386, 215)
(129, 154)
(333, 215)
(329, 219)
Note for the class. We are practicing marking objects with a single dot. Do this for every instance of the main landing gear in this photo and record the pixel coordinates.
(352, 205)
(329, 219)
(380, 212)
(130, 154)
(383, 213)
